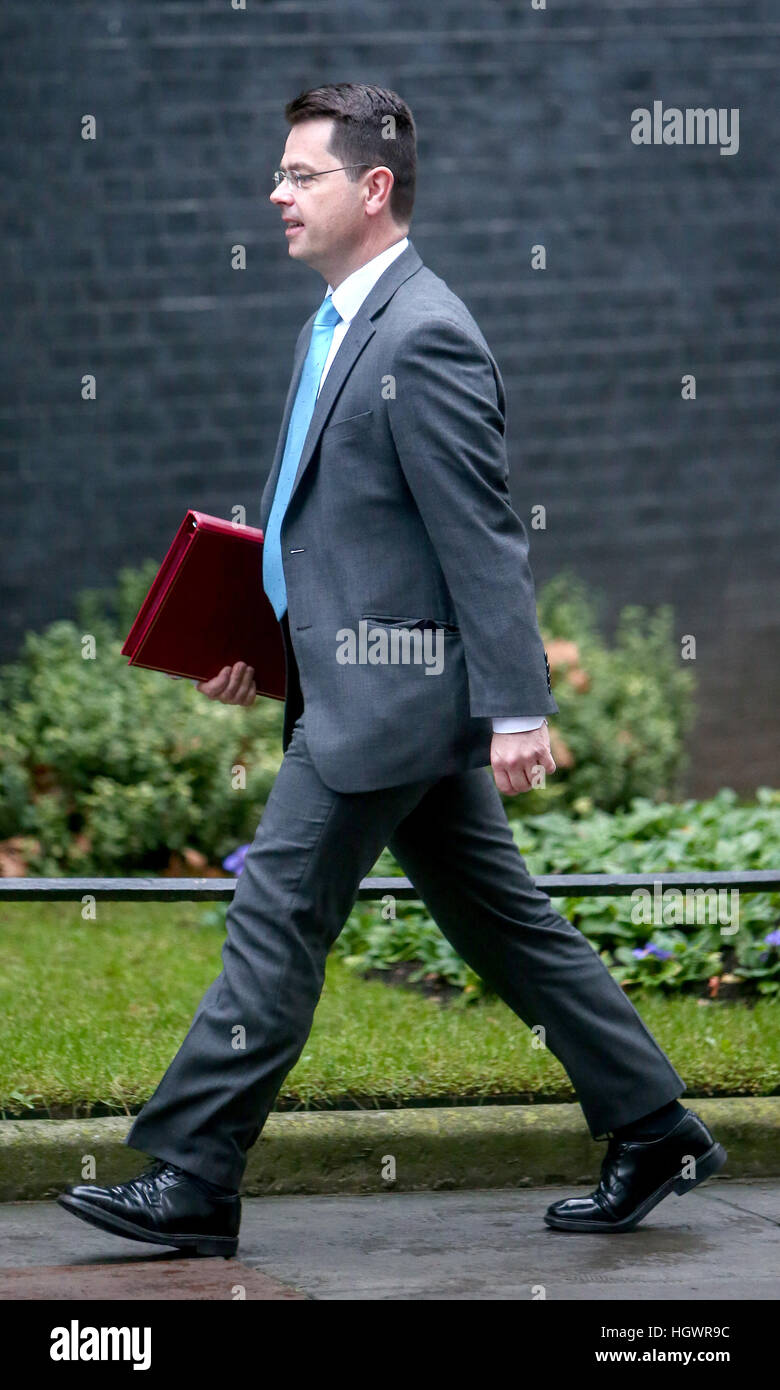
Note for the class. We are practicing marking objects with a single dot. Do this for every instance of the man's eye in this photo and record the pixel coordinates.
(304, 180)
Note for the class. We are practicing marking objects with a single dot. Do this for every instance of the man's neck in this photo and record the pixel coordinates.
(338, 274)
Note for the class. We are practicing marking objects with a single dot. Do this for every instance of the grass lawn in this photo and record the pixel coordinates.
(91, 1013)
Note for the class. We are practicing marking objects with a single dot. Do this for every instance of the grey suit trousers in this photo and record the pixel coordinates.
(299, 882)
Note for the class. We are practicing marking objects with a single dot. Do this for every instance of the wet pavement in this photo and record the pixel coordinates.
(718, 1242)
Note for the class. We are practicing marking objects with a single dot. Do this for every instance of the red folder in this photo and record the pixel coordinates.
(207, 608)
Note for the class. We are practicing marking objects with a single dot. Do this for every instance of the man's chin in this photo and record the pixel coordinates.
(301, 253)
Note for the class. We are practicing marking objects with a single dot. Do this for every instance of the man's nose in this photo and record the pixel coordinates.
(281, 194)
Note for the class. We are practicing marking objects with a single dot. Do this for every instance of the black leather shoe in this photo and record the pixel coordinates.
(636, 1175)
(163, 1205)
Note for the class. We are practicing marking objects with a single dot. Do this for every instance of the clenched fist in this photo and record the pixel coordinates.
(513, 758)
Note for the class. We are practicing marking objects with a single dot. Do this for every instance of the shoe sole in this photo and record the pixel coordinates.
(106, 1221)
(710, 1163)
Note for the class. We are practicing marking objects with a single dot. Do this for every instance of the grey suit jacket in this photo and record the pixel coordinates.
(400, 512)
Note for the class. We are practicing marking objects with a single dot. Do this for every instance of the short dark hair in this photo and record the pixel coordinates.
(359, 114)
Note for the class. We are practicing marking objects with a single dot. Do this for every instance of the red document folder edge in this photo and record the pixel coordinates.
(207, 608)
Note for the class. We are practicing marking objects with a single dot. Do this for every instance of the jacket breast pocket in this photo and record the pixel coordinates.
(339, 430)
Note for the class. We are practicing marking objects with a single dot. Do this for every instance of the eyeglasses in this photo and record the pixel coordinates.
(303, 180)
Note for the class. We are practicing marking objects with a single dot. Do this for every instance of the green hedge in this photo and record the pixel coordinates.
(625, 708)
(715, 834)
(106, 769)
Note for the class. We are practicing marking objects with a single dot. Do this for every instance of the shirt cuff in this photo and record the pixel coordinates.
(519, 725)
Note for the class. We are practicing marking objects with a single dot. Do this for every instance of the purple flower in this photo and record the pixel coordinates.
(773, 938)
(234, 862)
(651, 950)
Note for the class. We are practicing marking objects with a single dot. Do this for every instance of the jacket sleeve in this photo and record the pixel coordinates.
(447, 419)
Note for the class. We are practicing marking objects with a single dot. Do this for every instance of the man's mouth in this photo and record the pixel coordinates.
(291, 227)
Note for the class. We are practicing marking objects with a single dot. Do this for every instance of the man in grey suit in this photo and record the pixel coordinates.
(417, 690)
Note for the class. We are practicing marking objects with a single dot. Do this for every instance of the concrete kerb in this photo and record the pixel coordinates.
(360, 1151)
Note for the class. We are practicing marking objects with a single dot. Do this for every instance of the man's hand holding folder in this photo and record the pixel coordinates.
(235, 685)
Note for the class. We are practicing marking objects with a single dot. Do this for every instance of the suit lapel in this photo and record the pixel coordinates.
(360, 331)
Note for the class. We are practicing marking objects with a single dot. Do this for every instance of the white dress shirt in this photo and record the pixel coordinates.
(347, 299)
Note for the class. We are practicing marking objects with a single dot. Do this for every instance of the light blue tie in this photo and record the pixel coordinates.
(300, 419)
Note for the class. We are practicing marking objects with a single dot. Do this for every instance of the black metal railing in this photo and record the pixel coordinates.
(222, 889)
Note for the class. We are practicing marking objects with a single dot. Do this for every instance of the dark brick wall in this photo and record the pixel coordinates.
(661, 261)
